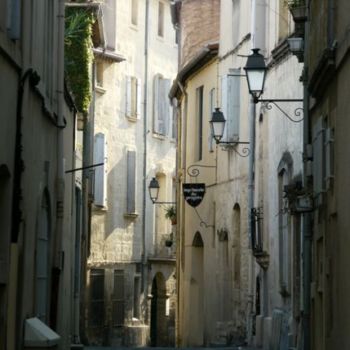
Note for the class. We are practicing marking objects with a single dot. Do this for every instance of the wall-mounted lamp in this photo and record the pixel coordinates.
(296, 46)
(217, 126)
(256, 74)
(153, 189)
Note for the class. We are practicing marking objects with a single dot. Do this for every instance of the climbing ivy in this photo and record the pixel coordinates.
(78, 55)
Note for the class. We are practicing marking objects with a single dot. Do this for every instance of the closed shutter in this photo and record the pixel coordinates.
(224, 100)
(161, 107)
(138, 98)
(131, 182)
(109, 17)
(100, 156)
(156, 104)
(14, 19)
(96, 310)
(233, 104)
(211, 110)
(128, 106)
(118, 298)
(329, 156)
(318, 160)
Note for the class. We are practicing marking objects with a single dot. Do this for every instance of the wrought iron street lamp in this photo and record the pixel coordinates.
(256, 74)
(153, 189)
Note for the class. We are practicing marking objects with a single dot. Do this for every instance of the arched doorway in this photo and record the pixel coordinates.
(196, 305)
(158, 309)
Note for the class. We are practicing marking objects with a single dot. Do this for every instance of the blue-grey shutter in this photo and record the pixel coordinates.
(109, 17)
(14, 19)
(224, 100)
(128, 107)
(100, 156)
(138, 98)
(233, 104)
(318, 159)
(156, 104)
(211, 110)
(131, 182)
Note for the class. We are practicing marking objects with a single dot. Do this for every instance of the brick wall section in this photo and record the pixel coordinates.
(199, 25)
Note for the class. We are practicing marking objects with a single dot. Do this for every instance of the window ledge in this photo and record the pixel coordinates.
(99, 208)
(100, 89)
(131, 215)
(159, 136)
(131, 119)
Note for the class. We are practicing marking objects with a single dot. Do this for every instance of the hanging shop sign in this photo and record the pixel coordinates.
(193, 193)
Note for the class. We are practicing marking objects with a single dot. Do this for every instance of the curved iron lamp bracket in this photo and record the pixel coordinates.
(297, 111)
(232, 145)
(193, 170)
(202, 223)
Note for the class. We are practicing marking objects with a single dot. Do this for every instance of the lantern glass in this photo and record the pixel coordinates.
(217, 125)
(153, 189)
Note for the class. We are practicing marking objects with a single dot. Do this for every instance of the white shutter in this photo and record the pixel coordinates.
(224, 95)
(161, 106)
(318, 159)
(233, 105)
(138, 98)
(166, 103)
(128, 107)
(100, 156)
(109, 17)
(156, 104)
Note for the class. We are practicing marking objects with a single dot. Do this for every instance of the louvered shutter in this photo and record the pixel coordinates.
(138, 98)
(109, 17)
(224, 100)
(100, 156)
(128, 106)
(318, 159)
(156, 105)
(166, 103)
(233, 105)
(329, 157)
(161, 107)
(211, 110)
(131, 182)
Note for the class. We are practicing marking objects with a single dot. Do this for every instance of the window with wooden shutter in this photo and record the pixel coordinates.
(118, 298)
(109, 17)
(162, 107)
(199, 123)
(96, 310)
(131, 182)
(318, 160)
(231, 94)
(100, 178)
(211, 141)
(137, 289)
(160, 19)
(133, 98)
(134, 11)
(329, 157)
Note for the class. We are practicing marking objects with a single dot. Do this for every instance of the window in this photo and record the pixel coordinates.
(174, 123)
(96, 314)
(283, 20)
(199, 123)
(109, 18)
(284, 235)
(160, 19)
(137, 288)
(99, 73)
(133, 97)
(161, 105)
(14, 19)
(211, 141)
(100, 156)
(118, 298)
(42, 260)
(134, 11)
(231, 94)
(131, 182)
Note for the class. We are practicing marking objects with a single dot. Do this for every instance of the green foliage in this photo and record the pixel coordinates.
(295, 3)
(78, 55)
(170, 212)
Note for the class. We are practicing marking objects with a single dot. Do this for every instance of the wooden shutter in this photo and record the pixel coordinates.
(109, 17)
(100, 156)
(128, 106)
(224, 100)
(161, 107)
(156, 104)
(138, 98)
(211, 110)
(318, 159)
(131, 182)
(96, 310)
(166, 105)
(14, 19)
(233, 105)
(118, 298)
(329, 156)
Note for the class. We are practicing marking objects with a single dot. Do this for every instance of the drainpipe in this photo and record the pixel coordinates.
(145, 132)
(307, 222)
(60, 184)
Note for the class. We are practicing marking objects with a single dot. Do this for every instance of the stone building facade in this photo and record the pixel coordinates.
(131, 292)
(37, 198)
